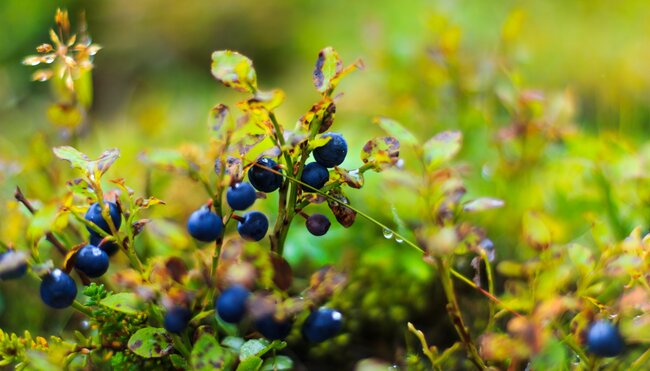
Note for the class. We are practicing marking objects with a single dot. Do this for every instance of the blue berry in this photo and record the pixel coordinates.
(231, 305)
(318, 224)
(315, 175)
(109, 247)
(204, 225)
(241, 196)
(94, 214)
(603, 339)
(272, 328)
(333, 152)
(58, 290)
(92, 260)
(176, 319)
(254, 226)
(262, 179)
(322, 324)
(13, 265)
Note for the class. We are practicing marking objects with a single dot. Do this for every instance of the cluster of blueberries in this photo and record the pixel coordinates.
(319, 326)
(231, 306)
(58, 290)
(206, 226)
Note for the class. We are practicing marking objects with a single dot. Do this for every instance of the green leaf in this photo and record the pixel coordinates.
(233, 342)
(328, 65)
(253, 347)
(151, 342)
(380, 152)
(268, 100)
(234, 70)
(636, 329)
(178, 362)
(207, 354)
(553, 354)
(277, 363)
(124, 302)
(77, 159)
(536, 231)
(82, 162)
(442, 148)
(395, 129)
(250, 364)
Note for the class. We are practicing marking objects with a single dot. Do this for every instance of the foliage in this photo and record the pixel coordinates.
(508, 229)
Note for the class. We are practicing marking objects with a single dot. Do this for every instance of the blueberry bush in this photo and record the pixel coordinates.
(509, 239)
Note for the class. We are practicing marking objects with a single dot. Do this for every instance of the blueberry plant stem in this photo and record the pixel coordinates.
(20, 197)
(49, 236)
(455, 314)
(82, 309)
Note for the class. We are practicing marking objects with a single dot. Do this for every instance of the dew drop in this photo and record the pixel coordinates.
(398, 240)
(388, 233)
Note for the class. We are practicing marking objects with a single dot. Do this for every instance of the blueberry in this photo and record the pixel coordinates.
(94, 214)
(204, 225)
(241, 196)
(58, 290)
(315, 175)
(254, 226)
(318, 224)
(231, 305)
(603, 339)
(272, 328)
(176, 319)
(92, 260)
(262, 179)
(109, 247)
(13, 265)
(322, 325)
(333, 152)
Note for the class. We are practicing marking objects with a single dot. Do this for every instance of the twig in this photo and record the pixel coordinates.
(20, 197)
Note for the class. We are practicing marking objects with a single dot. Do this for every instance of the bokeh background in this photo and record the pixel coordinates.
(432, 65)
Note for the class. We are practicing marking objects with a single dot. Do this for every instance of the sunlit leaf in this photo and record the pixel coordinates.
(278, 363)
(151, 342)
(147, 202)
(395, 129)
(353, 178)
(442, 148)
(268, 100)
(254, 347)
(380, 152)
(536, 232)
(124, 302)
(250, 364)
(328, 65)
(82, 162)
(234, 70)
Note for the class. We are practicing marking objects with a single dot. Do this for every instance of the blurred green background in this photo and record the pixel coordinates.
(432, 65)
